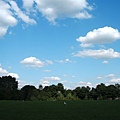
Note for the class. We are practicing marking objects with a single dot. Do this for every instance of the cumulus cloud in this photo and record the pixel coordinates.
(73, 76)
(49, 62)
(22, 83)
(47, 70)
(9, 14)
(64, 61)
(105, 62)
(99, 36)
(7, 18)
(3, 72)
(11, 11)
(20, 14)
(52, 9)
(102, 53)
(81, 83)
(99, 77)
(109, 79)
(14, 75)
(28, 4)
(52, 78)
(109, 76)
(47, 80)
(115, 80)
(45, 83)
(34, 62)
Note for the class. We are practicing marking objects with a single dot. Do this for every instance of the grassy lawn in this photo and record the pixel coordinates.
(56, 110)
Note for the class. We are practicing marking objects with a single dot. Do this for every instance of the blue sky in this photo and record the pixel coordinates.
(46, 42)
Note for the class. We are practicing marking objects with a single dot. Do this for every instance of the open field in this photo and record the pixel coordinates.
(56, 110)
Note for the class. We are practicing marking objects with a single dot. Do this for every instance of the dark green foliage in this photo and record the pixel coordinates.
(56, 110)
(8, 88)
(8, 83)
(28, 92)
(9, 91)
(112, 92)
(93, 94)
(40, 87)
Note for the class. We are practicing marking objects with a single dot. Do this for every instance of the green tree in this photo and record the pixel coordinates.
(8, 83)
(112, 92)
(82, 93)
(40, 87)
(118, 90)
(60, 87)
(77, 92)
(93, 94)
(60, 96)
(71, 97)
(101, 90)
(8, 88)
(27, 91)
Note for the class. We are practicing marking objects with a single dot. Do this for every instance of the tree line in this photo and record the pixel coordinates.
(9, 91)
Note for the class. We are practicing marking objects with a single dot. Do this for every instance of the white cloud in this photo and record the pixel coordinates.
(9, 14)
(67, 60)
(110, 75)
(65, 75)
(11, 11)
(14, 75)
(6, 18)
(47, 80)
(47, 70)
(100, 77)
(112, 79)
(73, 76)
(51, 79)
(3, 31)
(3, 72)
(22, 83)
(64, 61)
(106, 77)
(10, 33)
(28, 4)
(102, 53)
(20, 14)
(81, 83)
(52, 9)
(115, 80)
(105, 62)
(85, 45)
(49, 62)
(34, 62)
(45, 83)
(99, 36)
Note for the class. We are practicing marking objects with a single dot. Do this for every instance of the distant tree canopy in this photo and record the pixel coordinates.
(9, 91)
(8, 87)
(8, 83)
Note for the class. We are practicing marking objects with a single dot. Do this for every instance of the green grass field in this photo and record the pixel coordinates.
(56, 110)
